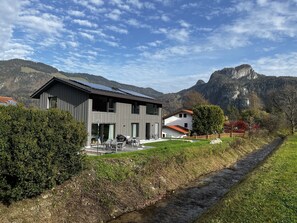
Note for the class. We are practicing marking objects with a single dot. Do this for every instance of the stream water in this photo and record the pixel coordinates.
(187, 204)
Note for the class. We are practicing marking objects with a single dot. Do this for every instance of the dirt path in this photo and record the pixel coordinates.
(188, 204)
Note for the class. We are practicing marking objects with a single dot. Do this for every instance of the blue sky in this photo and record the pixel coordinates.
(164, 44)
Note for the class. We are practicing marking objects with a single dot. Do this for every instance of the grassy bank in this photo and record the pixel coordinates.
(268, 195)
(117, 183)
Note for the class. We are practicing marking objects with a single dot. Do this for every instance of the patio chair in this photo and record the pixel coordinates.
(117, 145)
(107, 144)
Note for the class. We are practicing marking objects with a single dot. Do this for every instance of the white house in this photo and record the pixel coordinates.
(7, 101)
(177, 124)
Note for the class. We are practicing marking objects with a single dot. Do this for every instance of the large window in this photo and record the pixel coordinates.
(152, 109)
(52, 102)
(135, 130)
(135, 108)
(104, 104)
(103, 131)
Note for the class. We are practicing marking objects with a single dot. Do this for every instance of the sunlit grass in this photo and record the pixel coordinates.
(268, 195)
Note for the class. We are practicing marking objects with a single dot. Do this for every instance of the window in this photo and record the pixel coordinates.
(135, 108)
(52, 102)
(185, 115)
(111, 105)
(152, 109)
(103, 131)
(104, 104)
(186, 125)
(180, 115)
(135, 130)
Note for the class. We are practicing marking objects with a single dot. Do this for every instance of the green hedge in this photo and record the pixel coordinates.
(207, 119)
(38, 149)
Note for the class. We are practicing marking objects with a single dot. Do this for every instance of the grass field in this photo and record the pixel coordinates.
(119, 166)
(269, 194)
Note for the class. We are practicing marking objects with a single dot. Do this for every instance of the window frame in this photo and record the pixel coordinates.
(51, 100)
(135, 108)
(137, 129)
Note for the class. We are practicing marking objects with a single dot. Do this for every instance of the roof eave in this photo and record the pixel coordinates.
(48, 84)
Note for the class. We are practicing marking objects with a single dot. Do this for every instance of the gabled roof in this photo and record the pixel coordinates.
(187, 111)
(7, 100)
(177, 128)
(96, 89)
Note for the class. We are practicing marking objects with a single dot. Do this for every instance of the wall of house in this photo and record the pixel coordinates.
(169, 133)
(68, 99)
(176, 120)
(123, 118)
(79, 105)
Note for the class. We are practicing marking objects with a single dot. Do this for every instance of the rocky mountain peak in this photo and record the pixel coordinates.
(241, 71)
(200, 82)
(244, 70)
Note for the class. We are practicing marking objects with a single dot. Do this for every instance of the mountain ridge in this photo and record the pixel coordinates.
(20, 78)
(232, 86)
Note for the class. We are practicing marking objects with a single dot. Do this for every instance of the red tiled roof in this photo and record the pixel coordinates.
(178, 128)
(188, 111)
(6, 100)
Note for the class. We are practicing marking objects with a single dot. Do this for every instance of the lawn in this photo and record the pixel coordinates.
(269, 194)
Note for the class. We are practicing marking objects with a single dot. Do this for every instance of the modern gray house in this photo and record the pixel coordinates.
(105, 111)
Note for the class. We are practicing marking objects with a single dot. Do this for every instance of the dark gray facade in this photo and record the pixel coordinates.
(79, 101)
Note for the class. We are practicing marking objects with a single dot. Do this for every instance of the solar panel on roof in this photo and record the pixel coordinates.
(94, 86)
(136, 93)
(112, 89)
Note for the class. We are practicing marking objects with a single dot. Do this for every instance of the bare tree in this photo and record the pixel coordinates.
(192, 98)
(286, 101)
(255, 101)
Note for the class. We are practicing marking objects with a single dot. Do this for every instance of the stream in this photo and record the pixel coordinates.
(187, 204)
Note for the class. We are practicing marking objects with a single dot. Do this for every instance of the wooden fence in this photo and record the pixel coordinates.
(214, 136)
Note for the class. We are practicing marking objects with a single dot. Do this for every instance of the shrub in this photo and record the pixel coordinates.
(38, 149)
(207, 119)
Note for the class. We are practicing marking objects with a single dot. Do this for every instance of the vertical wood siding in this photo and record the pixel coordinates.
(123, 118)
(79, 105)
(69, 99)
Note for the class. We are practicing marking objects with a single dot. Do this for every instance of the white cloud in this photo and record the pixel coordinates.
(184, 24)
(165, 18)
(278, 65)
(169, 52)
(90, 4)
(76, 13)
(15, 50)
(114, 14)
(136, 23)
(190, 5)
(273, 22)
(87, 35)
(181, 35)
(9, 11)
(155, 43)
(85, 23)
(43, 23)
(97, 2)
(117, 29)
(135, 3)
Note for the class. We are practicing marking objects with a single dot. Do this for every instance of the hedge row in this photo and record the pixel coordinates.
(38, 150)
